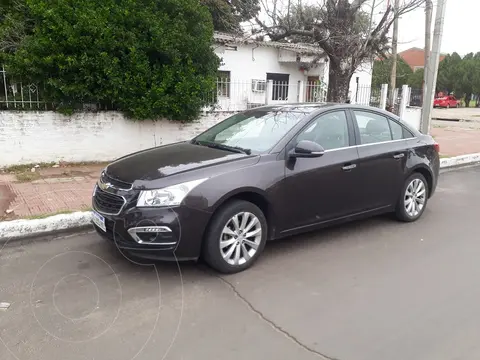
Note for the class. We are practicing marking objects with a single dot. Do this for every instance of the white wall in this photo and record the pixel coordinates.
(30, 137)
(412, 116)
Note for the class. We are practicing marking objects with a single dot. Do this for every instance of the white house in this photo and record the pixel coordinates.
(255, 73)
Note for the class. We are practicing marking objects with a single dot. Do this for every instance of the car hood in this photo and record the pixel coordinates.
(159, 162)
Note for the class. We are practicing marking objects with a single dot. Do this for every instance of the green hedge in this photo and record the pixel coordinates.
(149, 58)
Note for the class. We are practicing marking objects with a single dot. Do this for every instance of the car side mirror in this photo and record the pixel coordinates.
(307, 149)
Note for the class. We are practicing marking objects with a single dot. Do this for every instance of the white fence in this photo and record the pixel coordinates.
(239, 95)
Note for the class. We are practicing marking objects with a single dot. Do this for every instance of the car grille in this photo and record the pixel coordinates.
(119, 184)
(107, 203)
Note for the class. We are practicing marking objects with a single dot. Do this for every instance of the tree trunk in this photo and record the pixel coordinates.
(338, 84)
(467, 100)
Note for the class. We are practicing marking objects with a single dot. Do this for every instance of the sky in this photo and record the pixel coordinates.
(458, 32)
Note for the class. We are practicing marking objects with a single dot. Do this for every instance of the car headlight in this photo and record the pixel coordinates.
(169, 196)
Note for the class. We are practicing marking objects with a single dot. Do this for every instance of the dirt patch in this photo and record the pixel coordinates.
(47, 171)
(6, 198)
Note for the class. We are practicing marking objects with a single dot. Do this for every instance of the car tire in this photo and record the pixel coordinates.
(413, 199)
(238, 252)
(448, 106)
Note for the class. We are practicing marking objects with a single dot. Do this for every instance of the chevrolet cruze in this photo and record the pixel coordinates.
(261, 175)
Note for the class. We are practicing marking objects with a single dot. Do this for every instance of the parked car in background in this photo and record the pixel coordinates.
(449, 101)
(264, 174)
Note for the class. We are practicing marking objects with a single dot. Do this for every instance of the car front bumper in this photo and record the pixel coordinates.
(157, 233)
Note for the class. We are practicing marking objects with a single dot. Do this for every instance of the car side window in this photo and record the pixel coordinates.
(373, 128)
(397, 130)
(328, 130)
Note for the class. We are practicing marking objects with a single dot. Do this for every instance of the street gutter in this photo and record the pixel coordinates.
(56, 225)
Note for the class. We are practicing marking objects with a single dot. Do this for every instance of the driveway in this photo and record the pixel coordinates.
(371, 290)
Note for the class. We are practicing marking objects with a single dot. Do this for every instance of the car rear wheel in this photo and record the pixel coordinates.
(236, 237)
(414, 198)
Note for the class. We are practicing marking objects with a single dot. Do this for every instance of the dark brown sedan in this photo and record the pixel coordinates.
(261, 175)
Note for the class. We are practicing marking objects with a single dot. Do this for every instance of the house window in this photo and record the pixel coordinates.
(223, 84)
(280, 85)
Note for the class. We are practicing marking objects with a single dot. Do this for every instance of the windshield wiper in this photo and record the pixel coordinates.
(215, 145)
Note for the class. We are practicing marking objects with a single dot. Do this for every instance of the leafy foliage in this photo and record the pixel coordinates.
(460, 76)
(415, 80)
(228, 15)
(149, 58)
(382, 70)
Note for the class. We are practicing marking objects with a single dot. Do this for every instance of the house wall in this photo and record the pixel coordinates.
(252, 62)
(46, 136)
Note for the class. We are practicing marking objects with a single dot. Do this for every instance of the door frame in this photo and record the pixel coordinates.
(350, 125)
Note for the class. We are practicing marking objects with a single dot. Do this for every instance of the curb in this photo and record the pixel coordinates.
(453, 119)
(461, 160)
(22, 229)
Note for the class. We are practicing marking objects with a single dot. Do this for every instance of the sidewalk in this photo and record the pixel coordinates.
(49, 190)
(68, 188)
(456, 140)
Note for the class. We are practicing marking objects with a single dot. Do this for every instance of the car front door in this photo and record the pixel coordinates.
(322, 188)
(382, 151)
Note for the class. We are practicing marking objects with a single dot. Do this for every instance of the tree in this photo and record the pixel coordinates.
(415, 80)
(382, 70)
(449, 73)
(228, 15)
(149, 58)
(460, 76)
(340, 29)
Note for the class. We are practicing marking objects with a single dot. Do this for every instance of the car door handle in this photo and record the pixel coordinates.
(349, 167)
(398, 156)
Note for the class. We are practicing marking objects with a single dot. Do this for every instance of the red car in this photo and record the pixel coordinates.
(446, 102)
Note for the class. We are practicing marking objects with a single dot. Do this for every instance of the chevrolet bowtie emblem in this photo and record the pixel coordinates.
(105, 186)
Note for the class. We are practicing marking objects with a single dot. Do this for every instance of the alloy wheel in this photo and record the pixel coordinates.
(240, 238)
(415, 197)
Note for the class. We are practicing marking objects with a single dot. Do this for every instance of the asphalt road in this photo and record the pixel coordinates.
(371, 290)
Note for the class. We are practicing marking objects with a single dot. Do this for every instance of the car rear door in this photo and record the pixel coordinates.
(382, 152)
(323, 188)
(453, 101)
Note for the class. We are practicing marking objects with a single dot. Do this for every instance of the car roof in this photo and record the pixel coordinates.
(312, 107)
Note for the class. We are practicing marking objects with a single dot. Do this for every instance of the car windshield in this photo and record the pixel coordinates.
(255, 131)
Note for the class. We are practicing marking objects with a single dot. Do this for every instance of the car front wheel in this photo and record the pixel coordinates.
(414, 198)
(236, 237)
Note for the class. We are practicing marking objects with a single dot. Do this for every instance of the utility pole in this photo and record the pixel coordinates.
(428, 44)
(433, 61)
(393, 75)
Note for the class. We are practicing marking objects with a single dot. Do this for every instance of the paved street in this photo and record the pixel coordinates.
(371, 290)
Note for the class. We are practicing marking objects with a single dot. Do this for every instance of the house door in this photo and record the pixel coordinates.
(311, 90)
(280, 86)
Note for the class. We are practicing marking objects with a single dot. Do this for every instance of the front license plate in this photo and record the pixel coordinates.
(99, 220)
